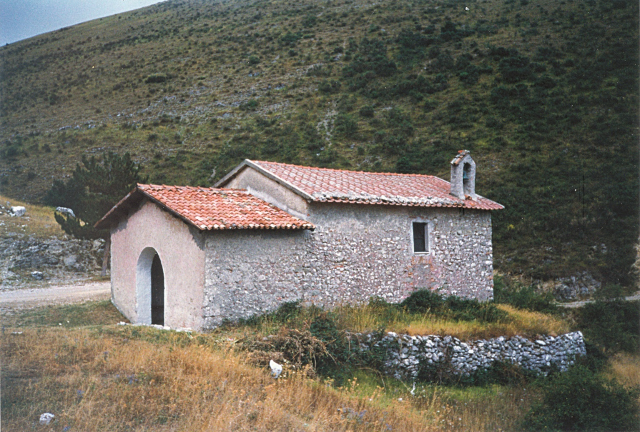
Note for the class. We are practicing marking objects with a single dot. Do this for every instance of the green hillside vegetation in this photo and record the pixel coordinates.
(544, 94)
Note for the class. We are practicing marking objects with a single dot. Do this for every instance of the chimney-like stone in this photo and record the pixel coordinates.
(463, 176)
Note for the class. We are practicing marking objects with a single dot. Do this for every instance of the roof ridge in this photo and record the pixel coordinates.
(346, 170)
(203, 188)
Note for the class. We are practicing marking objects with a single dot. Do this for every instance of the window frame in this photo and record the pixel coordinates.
(427, 236)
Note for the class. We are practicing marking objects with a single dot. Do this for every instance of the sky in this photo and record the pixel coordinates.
(21, 19)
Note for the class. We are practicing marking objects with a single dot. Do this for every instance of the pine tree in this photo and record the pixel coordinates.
(96, 185)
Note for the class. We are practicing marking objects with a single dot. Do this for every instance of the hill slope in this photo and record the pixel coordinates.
(543, 93)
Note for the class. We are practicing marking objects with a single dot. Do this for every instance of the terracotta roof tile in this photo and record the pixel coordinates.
(215, 209)
(331, 185)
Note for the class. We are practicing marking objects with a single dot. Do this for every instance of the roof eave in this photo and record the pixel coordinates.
(108, 219)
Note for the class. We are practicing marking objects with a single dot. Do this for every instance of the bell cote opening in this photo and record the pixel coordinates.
(463, 176)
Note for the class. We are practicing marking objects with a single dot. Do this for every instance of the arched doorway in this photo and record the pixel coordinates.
(150, 288)
(157, 291)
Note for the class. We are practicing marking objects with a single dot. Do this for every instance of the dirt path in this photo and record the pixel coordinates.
(29, 298)
(577, 304)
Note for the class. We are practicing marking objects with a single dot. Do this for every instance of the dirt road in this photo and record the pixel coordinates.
(28, 298)
(577, 304)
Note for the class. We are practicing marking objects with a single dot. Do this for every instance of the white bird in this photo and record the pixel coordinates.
(276, 369)
(413, 389)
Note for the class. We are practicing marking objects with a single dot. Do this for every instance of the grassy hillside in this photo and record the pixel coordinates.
(543, 93)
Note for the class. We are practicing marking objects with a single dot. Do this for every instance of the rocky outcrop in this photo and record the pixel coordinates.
(24, 260)
(406, 355)
(583, 285)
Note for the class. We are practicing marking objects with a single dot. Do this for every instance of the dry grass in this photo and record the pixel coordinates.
(367, 318)
(626, 369)
(96, 382)
(95, 376)
(38, 220)
(66, 316)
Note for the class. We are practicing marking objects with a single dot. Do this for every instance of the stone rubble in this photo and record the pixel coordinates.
(406, 354)
(55, 260)
(582, 285)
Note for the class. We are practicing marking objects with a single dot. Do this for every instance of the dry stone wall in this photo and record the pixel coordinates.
(356, 252)
(407, 354)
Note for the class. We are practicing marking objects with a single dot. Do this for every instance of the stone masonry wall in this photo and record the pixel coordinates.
(406, 354)
(356, 251)
(250, 272)
(361, 251)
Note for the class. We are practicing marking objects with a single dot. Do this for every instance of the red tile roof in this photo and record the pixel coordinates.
(211, 208)
(332, 185)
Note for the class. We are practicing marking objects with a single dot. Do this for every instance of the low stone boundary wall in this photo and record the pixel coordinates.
(406, 353)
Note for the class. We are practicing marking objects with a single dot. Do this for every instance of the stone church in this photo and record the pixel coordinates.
(268, 233)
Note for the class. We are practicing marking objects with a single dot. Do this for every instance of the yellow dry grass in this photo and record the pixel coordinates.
(367, 318)
(625, 368)
(95, 376)
(95, 382)
(37, 221)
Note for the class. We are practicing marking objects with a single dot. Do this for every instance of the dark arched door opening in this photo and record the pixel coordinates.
(157, 292)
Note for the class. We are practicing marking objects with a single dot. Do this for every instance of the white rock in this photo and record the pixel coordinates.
(18, 210)
(65, 210)
(46, 418)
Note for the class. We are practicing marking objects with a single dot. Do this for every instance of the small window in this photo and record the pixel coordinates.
(420, 237)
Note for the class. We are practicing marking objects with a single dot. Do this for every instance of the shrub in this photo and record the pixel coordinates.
(309, 21)
(156, 78)
(412, 46)
(427, 301)
(290, 39)
(249, 105)
(297, 347)
(369, 62)
(329, 86)
(470, 75)
(500, 372)
(324, 328)
(583, 401)
(319, 71)
(521, 296)
(515, 68)
(346, 125)
(367, 111)
(612, 325)
(254, 60)
(422, 301)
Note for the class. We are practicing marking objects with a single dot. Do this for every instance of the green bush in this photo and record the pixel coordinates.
(367, 111)
(290, 39)
(580, 400)
(156, 78)
(368, 63)
(346, 125)
(612, 325)
(453, 307)
(522, 297)
(249, 105)
(329, 86)
(411, 46)
(503, 373)
(423, 301)
(514, 69)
